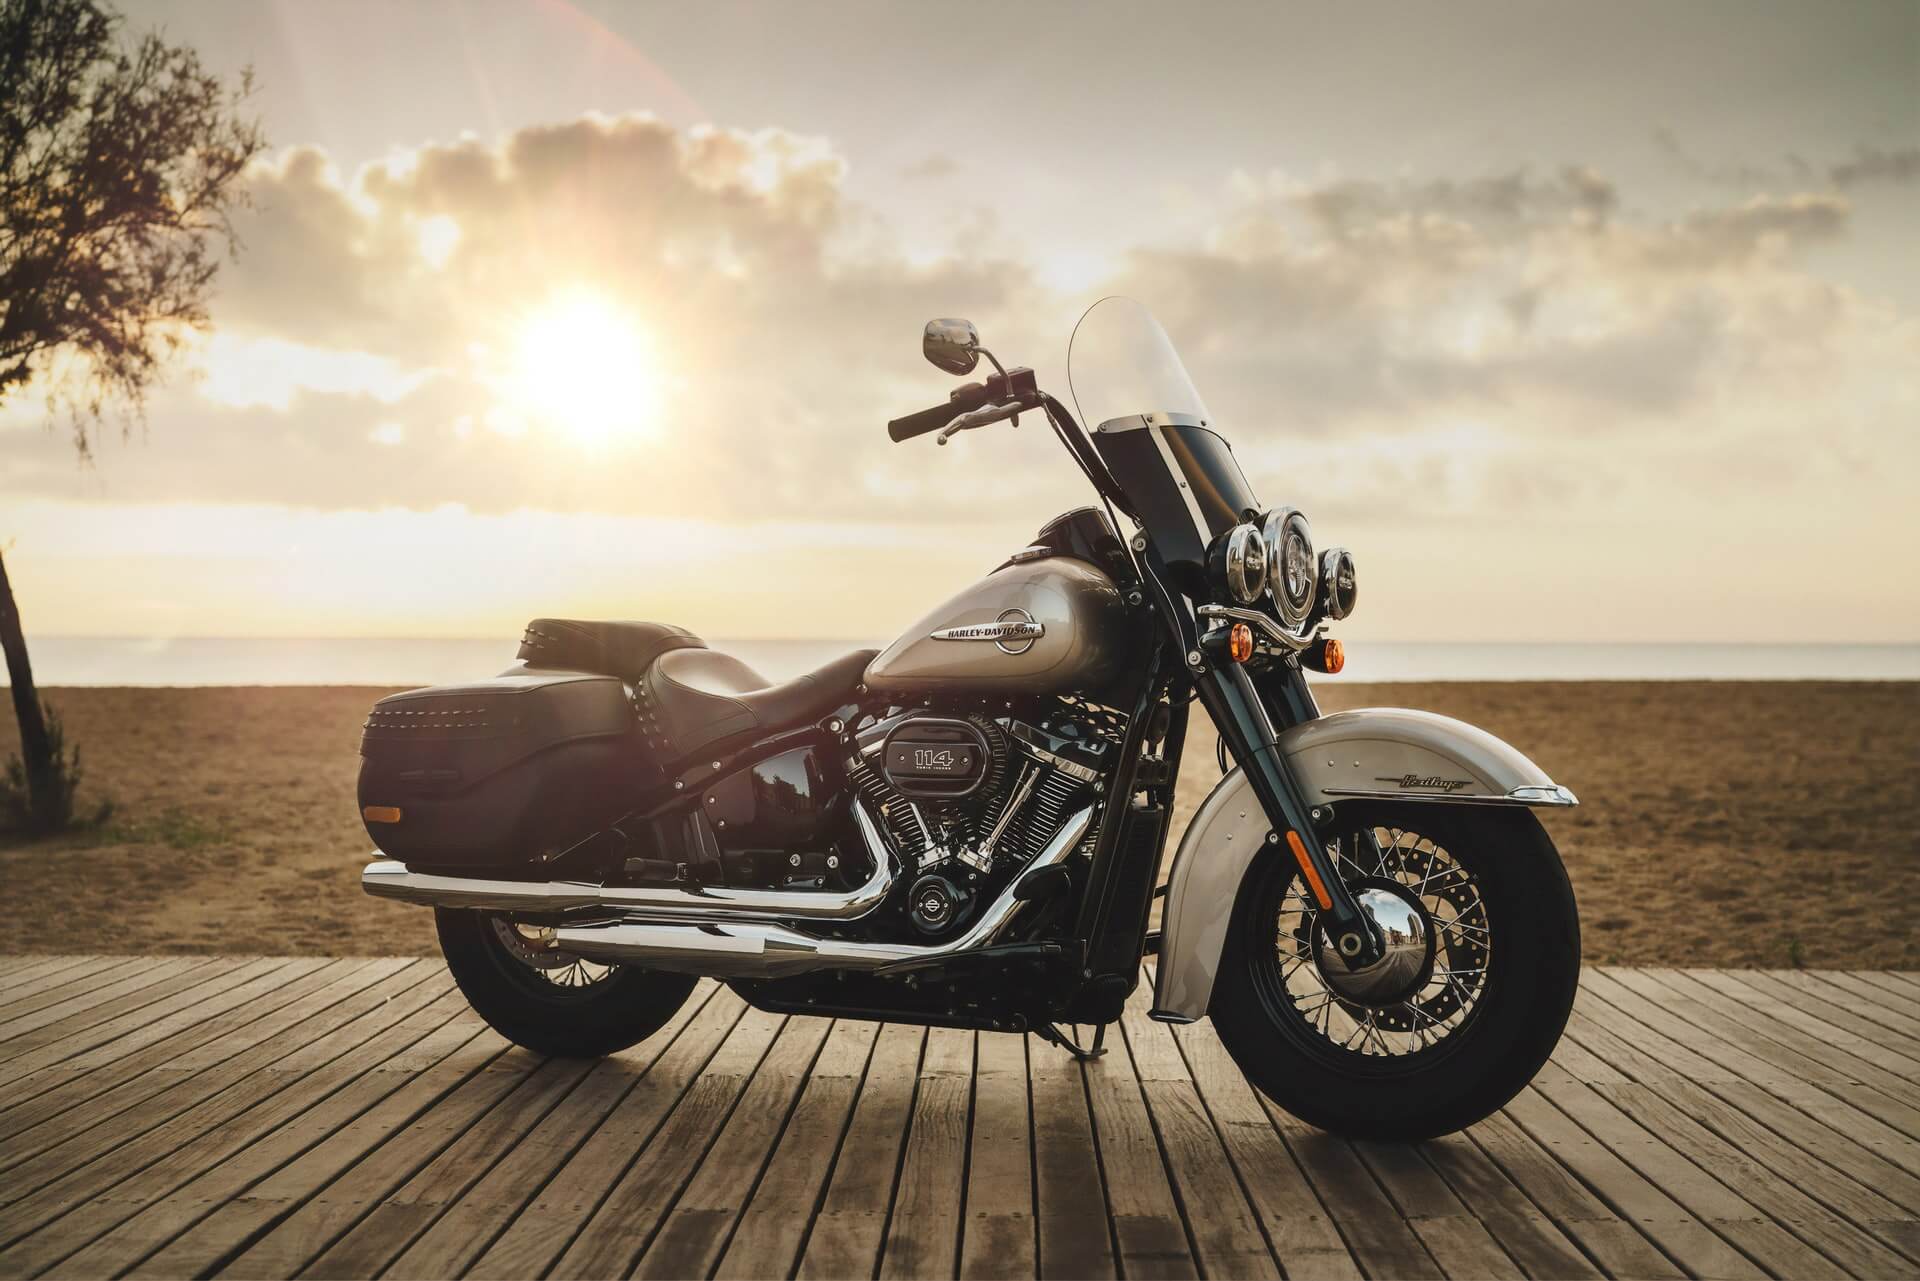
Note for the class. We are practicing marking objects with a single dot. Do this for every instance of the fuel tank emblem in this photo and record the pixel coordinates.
(1014, 632)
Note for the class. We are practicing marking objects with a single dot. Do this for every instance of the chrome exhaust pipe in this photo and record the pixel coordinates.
(384, 878)
(748, 949)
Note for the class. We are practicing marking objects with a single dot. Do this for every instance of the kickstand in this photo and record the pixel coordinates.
(1051, 1032)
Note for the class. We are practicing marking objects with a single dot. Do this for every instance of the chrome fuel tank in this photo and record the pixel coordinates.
(1044, 626)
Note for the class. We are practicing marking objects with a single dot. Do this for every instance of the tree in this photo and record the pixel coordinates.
(119, 164)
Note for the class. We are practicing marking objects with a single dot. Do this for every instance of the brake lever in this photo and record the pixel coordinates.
(982, 417)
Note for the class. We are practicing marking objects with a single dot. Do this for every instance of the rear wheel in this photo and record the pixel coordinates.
(1483, 962)
(553, 1003)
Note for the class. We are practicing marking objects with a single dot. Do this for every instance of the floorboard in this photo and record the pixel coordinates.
(281, 1116)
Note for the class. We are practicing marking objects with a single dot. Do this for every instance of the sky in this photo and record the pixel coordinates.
(1574, 324)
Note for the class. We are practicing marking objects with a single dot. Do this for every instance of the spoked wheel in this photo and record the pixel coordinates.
(551, 1002)
(1481, 965)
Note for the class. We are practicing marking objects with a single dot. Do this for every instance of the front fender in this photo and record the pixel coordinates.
(1376, 752)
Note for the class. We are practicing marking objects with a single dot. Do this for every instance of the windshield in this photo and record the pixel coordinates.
(1121, 363)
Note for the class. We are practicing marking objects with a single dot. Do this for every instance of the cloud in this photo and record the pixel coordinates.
(1527, 339)
(1877, 164)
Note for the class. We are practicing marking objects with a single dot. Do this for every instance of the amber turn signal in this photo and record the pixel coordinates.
(1326, 655)
(381, 813)
(1240, 643)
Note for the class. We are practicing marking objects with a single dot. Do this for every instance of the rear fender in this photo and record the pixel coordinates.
(1373, 753)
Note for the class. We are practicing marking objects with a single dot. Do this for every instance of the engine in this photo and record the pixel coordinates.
(967, 800)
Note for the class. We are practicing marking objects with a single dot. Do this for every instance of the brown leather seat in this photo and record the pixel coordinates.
(692, 700)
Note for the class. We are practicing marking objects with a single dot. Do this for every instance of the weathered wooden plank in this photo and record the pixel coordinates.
(1616, 1244)
(1226, 1233)
(1688, 1020)
(368, 1206)
(26, 973)
(109, 1086)
(923, 1231)
(436, 1226)
(613, 1237)
(38, 990)
(1648, 1207)
(1786, 1006)
(1070, 1201)
(695, 1233)
(1901, 985)
(844, 1239)
(1303, 1236)
(1458, 1241)
(100, 1160)
(1525, 1235)
(193, 1097)
(130, 1178)
(104, 1041)
(422, 1108)
(766, 1242)
(549, 1223)
(1380, 1239)
(997, 1239)
(1860, 999)
(1804, 1154)
(1148, 1229)
(1706, 1198)
(52, 1022)
(1796, 1037)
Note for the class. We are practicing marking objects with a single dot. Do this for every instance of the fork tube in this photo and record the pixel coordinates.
(1235, 706)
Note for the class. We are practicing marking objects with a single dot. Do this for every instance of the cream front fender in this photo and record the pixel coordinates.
(1376, 753)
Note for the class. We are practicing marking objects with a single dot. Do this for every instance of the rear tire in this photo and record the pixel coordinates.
(1522, 956)
(620, 1006)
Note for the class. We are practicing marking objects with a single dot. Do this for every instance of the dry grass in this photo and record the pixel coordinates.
(1722, 824)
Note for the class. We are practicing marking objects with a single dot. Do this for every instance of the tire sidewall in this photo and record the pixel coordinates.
(1533, 975)
(623, 1009)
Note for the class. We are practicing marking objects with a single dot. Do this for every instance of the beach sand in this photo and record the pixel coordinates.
(1763, 824)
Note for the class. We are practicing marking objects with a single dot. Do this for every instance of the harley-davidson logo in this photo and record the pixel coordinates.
(1014, 632)
(1425, 782)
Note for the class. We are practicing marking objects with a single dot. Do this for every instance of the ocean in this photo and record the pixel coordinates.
(100, 660)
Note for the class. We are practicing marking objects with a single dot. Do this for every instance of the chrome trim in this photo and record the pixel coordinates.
(1022, 732)
(732, 949)
(1332, 561)
(1261, 622)
(1248, 563)
(385, 878)
(1013, 632)
(1273, 526)
(1542, 796)
(1158, 434)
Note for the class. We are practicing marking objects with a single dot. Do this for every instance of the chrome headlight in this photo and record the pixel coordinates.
(1243, 563)
(1292, 581)
(1339, 585)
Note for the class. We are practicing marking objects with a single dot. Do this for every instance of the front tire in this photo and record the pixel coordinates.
(555, 1005)
(1438, 1050)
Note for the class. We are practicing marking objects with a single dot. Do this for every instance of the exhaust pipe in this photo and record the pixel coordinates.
(384, 878)
(747, 949)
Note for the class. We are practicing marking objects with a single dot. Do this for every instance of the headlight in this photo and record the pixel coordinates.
(1339, 585)
(1292, 579)
(1241, 563)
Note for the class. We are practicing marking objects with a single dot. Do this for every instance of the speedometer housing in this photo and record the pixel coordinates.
(1293, 574)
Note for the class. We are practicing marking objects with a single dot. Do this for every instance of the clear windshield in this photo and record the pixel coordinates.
(1121, 363)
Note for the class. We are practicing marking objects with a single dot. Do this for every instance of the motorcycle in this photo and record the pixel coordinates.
(966, 828)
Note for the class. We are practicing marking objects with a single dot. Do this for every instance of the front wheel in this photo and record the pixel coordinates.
(1482, 965)
(551, 1002)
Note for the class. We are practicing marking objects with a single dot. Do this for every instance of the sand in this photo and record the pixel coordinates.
(1758, 824)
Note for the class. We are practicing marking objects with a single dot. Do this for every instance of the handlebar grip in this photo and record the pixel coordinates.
(969, 397)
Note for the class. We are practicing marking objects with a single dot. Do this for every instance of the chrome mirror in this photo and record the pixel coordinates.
(952, 345)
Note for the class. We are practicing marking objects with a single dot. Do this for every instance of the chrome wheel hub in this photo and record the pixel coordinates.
(1402, 971)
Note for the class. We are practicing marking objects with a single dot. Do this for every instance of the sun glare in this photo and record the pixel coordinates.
(583, 368)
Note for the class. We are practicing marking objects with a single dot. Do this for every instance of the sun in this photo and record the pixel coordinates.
(583, 369)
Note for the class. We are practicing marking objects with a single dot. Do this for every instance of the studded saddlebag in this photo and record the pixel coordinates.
(499, 773)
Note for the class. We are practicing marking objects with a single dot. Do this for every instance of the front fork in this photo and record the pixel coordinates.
(1229, 696)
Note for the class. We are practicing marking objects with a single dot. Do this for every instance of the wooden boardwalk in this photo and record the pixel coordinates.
(256, 1117)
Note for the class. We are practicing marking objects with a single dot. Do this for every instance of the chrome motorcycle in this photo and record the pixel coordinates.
(966, 828)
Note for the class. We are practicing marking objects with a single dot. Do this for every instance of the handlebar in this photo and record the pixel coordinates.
(1016, 385)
